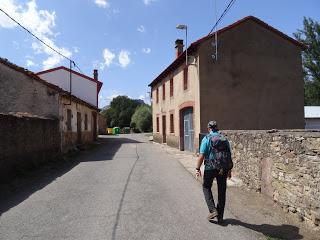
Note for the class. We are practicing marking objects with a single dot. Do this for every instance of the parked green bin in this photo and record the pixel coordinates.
(126, 130)
(116, 130)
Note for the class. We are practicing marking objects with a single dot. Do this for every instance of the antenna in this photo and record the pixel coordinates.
(215, 43)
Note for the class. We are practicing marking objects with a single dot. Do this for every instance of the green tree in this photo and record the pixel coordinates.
(142, 118)
(120, 111)
(310, 37)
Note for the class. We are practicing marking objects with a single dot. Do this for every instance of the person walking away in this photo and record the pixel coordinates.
(216, 153)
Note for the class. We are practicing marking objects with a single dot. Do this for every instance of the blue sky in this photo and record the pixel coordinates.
(131, 41)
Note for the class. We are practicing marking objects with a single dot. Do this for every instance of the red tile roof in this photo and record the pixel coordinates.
(192, 48)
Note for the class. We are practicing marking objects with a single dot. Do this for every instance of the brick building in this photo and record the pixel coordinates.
(255, 83)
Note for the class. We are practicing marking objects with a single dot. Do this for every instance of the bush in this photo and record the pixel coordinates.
(142, 119)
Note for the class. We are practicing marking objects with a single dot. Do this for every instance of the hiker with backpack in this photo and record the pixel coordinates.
(216, 153)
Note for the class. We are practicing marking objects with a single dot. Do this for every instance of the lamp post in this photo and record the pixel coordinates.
(184, 27)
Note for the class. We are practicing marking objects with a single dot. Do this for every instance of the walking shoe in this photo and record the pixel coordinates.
(220, 220)
(212, 215)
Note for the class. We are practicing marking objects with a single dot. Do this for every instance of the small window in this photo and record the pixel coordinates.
(171, 123)
(157, 124)
(157, 95)
(85, 122)
(171, 87)
(164, 91)
(185, 78)
(69, 115)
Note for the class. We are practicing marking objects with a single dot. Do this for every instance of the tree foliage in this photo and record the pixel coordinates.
(120, 111)
(142, 118)
(310, 36)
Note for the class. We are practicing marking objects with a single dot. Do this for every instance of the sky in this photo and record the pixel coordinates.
(130, 42)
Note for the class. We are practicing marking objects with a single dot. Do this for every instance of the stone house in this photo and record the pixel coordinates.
(27, 92)
(254, 83)
(79, 110)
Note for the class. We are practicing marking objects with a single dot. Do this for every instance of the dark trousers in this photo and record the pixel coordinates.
(208, 177)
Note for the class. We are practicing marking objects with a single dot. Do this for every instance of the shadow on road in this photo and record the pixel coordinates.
(283, 231)
(21, 187)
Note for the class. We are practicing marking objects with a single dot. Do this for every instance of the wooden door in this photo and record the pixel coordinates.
(78, 128)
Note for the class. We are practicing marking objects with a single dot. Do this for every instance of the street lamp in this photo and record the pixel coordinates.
(184, 27)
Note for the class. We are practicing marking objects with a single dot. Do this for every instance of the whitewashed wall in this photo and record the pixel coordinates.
(81, 87)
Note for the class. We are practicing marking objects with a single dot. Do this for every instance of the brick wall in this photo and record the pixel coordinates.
(284, 165)
(26, 142)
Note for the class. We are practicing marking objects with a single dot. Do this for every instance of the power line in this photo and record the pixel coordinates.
(38, 38)
(222, 15)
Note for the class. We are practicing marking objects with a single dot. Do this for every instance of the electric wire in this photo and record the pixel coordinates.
(222, 15)
(40, 39)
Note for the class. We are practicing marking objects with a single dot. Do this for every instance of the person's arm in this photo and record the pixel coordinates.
(198, 165)
(230, 171)
(202, 151)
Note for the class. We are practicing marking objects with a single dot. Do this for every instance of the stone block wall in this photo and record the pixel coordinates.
(173, 141)
(26, 142)
(284, 165)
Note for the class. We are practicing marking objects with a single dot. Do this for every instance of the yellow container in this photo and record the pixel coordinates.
(109, 130)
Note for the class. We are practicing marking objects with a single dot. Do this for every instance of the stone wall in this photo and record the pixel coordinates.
(173, 141)
(284, 165)
(70, 137)
(22, 93)
(26, 141)
(157, 137)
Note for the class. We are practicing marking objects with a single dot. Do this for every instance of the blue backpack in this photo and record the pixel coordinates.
(220, 153)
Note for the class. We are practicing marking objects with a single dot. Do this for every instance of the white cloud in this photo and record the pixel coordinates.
(141, 29)
(30, 63)
(124, 58)
(148, 2)
(102, 3)
(39, 22)
(145, 97)
(108, 57)
(76, 49)
(113, 96)
(115, 11)
(146, 50)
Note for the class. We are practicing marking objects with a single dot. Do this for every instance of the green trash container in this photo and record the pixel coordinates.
(126, 130)
(116, 130)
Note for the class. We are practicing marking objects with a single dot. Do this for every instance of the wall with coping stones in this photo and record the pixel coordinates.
(26, 142)
(284, 165)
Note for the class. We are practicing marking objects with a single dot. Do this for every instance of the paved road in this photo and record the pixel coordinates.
(127, 188)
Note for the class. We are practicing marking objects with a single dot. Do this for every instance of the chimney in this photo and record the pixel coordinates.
(95, 74)
(179, 47)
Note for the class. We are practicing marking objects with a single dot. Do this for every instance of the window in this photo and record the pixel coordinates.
(85, 122)
(157, 124)
(69, 126)
(171, 87)
(157, 95)
(164, 91)
(171, 123)
(185, 78)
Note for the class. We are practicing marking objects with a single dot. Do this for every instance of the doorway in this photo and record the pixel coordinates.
(188, 132)
(94, 126)
(164, 136)
(78, 128)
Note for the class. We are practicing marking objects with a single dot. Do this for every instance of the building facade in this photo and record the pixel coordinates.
(78, 110)
(255, 82)
(312, 117)
(24, 92)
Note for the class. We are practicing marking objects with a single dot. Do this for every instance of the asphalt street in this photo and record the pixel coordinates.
(126, 188)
